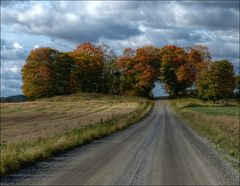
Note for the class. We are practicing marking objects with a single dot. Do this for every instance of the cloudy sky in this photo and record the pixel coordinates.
(63, 24)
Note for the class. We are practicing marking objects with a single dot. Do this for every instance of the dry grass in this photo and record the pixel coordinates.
(216, 122)
(29, 120)
(28, 150)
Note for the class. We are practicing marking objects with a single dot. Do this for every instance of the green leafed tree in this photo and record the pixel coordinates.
(110, 79)
(63, 67)
(217, 81)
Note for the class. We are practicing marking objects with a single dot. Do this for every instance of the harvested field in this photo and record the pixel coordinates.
(29, 120)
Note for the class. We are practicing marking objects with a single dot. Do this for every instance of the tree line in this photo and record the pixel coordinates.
(97, 69)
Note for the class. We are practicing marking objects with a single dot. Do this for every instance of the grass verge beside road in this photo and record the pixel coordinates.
(17, 155)
(218, 122)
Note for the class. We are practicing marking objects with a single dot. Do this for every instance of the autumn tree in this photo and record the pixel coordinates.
(173, 59)
(88, 65)
(125, 63)
(147, 63)
(198, 53)
(91, 68)
(37, 73)
(198, 57)
(140, 70)
(46, 73)
(217, 82)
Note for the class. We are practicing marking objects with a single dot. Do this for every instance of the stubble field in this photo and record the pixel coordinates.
(29, 120)
(36, 130)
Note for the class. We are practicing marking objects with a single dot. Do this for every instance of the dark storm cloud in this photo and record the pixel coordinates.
(233, 4)
(214, 19)
(67, 22)
(81, 21)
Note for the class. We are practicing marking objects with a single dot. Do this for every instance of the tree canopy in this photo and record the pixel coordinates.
(92, 68)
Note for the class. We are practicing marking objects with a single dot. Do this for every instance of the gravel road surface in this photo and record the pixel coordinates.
(158, 150)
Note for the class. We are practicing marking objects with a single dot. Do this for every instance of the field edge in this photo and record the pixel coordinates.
(190, 119)
(19, 155)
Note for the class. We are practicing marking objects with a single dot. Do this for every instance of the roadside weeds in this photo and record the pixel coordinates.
(221, 130)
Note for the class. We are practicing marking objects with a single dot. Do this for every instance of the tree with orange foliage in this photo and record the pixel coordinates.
(37, 73)
(46, 73)
(197, 58)
(147, 63)
(140, 69)
(173, 58)
(88, 65)
(91, 68)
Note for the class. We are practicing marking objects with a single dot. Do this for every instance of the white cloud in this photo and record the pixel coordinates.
(17, 46)
(13, 69)
(35, 46)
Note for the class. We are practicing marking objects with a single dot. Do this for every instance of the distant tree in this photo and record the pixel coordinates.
(88, 66)
(173, 59)
(217, 82)
(38, 74)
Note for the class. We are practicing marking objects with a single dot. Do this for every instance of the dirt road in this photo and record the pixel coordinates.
(159, 150)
